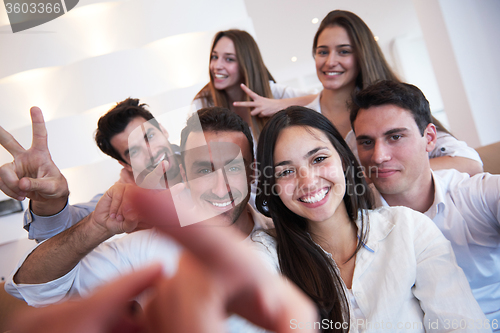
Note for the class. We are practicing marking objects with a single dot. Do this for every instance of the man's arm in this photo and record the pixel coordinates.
(41, 228)
(462, 164)
(60, 254)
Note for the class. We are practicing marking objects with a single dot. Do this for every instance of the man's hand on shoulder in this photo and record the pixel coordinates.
(108, 214)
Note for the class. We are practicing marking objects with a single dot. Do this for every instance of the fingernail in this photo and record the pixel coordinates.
(21, 198)
(119, 218)
(112, 216)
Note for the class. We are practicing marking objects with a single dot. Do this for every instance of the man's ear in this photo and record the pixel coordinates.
(183, 175)
(164, 131)
(430, 134)
(126, 166)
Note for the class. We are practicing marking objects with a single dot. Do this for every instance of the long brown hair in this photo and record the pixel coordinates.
(300, 258)
(372, 64)
(252, 69)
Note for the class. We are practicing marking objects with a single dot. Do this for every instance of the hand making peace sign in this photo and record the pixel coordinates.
(32, 173)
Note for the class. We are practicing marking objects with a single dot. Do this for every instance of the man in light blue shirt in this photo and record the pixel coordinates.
(394, 134)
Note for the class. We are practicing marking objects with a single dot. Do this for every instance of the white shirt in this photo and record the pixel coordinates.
(446, 144)
(405, 276)
(115, 258)
(467, 210)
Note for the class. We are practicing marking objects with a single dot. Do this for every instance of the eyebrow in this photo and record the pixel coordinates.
(325, 47)
(231, 54)
(389, 132)
(309, 154)
(396, 130)
(209, 164)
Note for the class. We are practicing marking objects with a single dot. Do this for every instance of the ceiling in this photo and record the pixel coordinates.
(284, 28)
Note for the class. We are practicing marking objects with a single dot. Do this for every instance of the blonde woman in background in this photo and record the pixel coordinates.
(238, 73)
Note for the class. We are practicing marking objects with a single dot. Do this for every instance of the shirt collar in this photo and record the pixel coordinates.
(375, 235)
(438, 205)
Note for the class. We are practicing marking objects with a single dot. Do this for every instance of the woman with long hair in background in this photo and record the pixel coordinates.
(238, 73)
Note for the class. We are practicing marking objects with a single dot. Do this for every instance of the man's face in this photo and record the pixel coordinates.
(391, 148)
(143, 146)
(217, 171)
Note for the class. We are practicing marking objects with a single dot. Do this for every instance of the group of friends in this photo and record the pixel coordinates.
(357, 211)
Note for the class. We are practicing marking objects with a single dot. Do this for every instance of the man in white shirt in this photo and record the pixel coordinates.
(33, 174)
(218, 177)
(394, 134)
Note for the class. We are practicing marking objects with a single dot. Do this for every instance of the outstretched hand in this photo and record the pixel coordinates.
(262, 106)
(32, 173)
(217, 276)
(106, 311)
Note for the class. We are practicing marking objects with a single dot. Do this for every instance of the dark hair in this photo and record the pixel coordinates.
(369, 57)
(386, 92)
(253, 72)
(116, 120)
(300, 258)
(215, 119)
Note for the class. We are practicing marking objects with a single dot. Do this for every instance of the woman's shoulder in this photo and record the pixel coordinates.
(264, 247)
(264, 237)
(400, 218)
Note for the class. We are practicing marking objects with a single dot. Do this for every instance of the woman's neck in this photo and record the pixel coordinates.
(334, 107)
(337, 235)
(234, 94)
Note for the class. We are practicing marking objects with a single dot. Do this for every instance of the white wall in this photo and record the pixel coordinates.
(462, 37)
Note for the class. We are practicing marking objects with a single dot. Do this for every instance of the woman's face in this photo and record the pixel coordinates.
(224, 67)
(309, 175)
(336, 63)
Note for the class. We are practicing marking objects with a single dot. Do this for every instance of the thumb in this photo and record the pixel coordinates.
(156, 177)
(34, 184)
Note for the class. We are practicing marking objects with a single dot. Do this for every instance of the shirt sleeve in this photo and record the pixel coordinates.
(441, 286)
(264, 247)
(479, 200)
(448, 145)
(106, 262)
(280, 91)
(41, 228)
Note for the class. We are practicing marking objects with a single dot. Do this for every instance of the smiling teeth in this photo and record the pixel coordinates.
(159, 161)
(333, 73)
(221, 204)
(317, 197)
(220, 76)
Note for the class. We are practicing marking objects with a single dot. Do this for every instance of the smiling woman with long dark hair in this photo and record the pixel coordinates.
(361, 266)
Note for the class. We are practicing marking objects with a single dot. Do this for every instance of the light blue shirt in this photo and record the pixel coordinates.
(467, 211)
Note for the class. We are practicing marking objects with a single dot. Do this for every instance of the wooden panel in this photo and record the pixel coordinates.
(490, 155)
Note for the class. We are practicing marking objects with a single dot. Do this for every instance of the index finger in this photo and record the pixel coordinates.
(39, 130)
(250, 104)
(9, 143)
(249, 92)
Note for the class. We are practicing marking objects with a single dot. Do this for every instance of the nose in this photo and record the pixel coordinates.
(307, 179)
(218, 63)
(332, 59)
(380, 153)
(220, 187)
